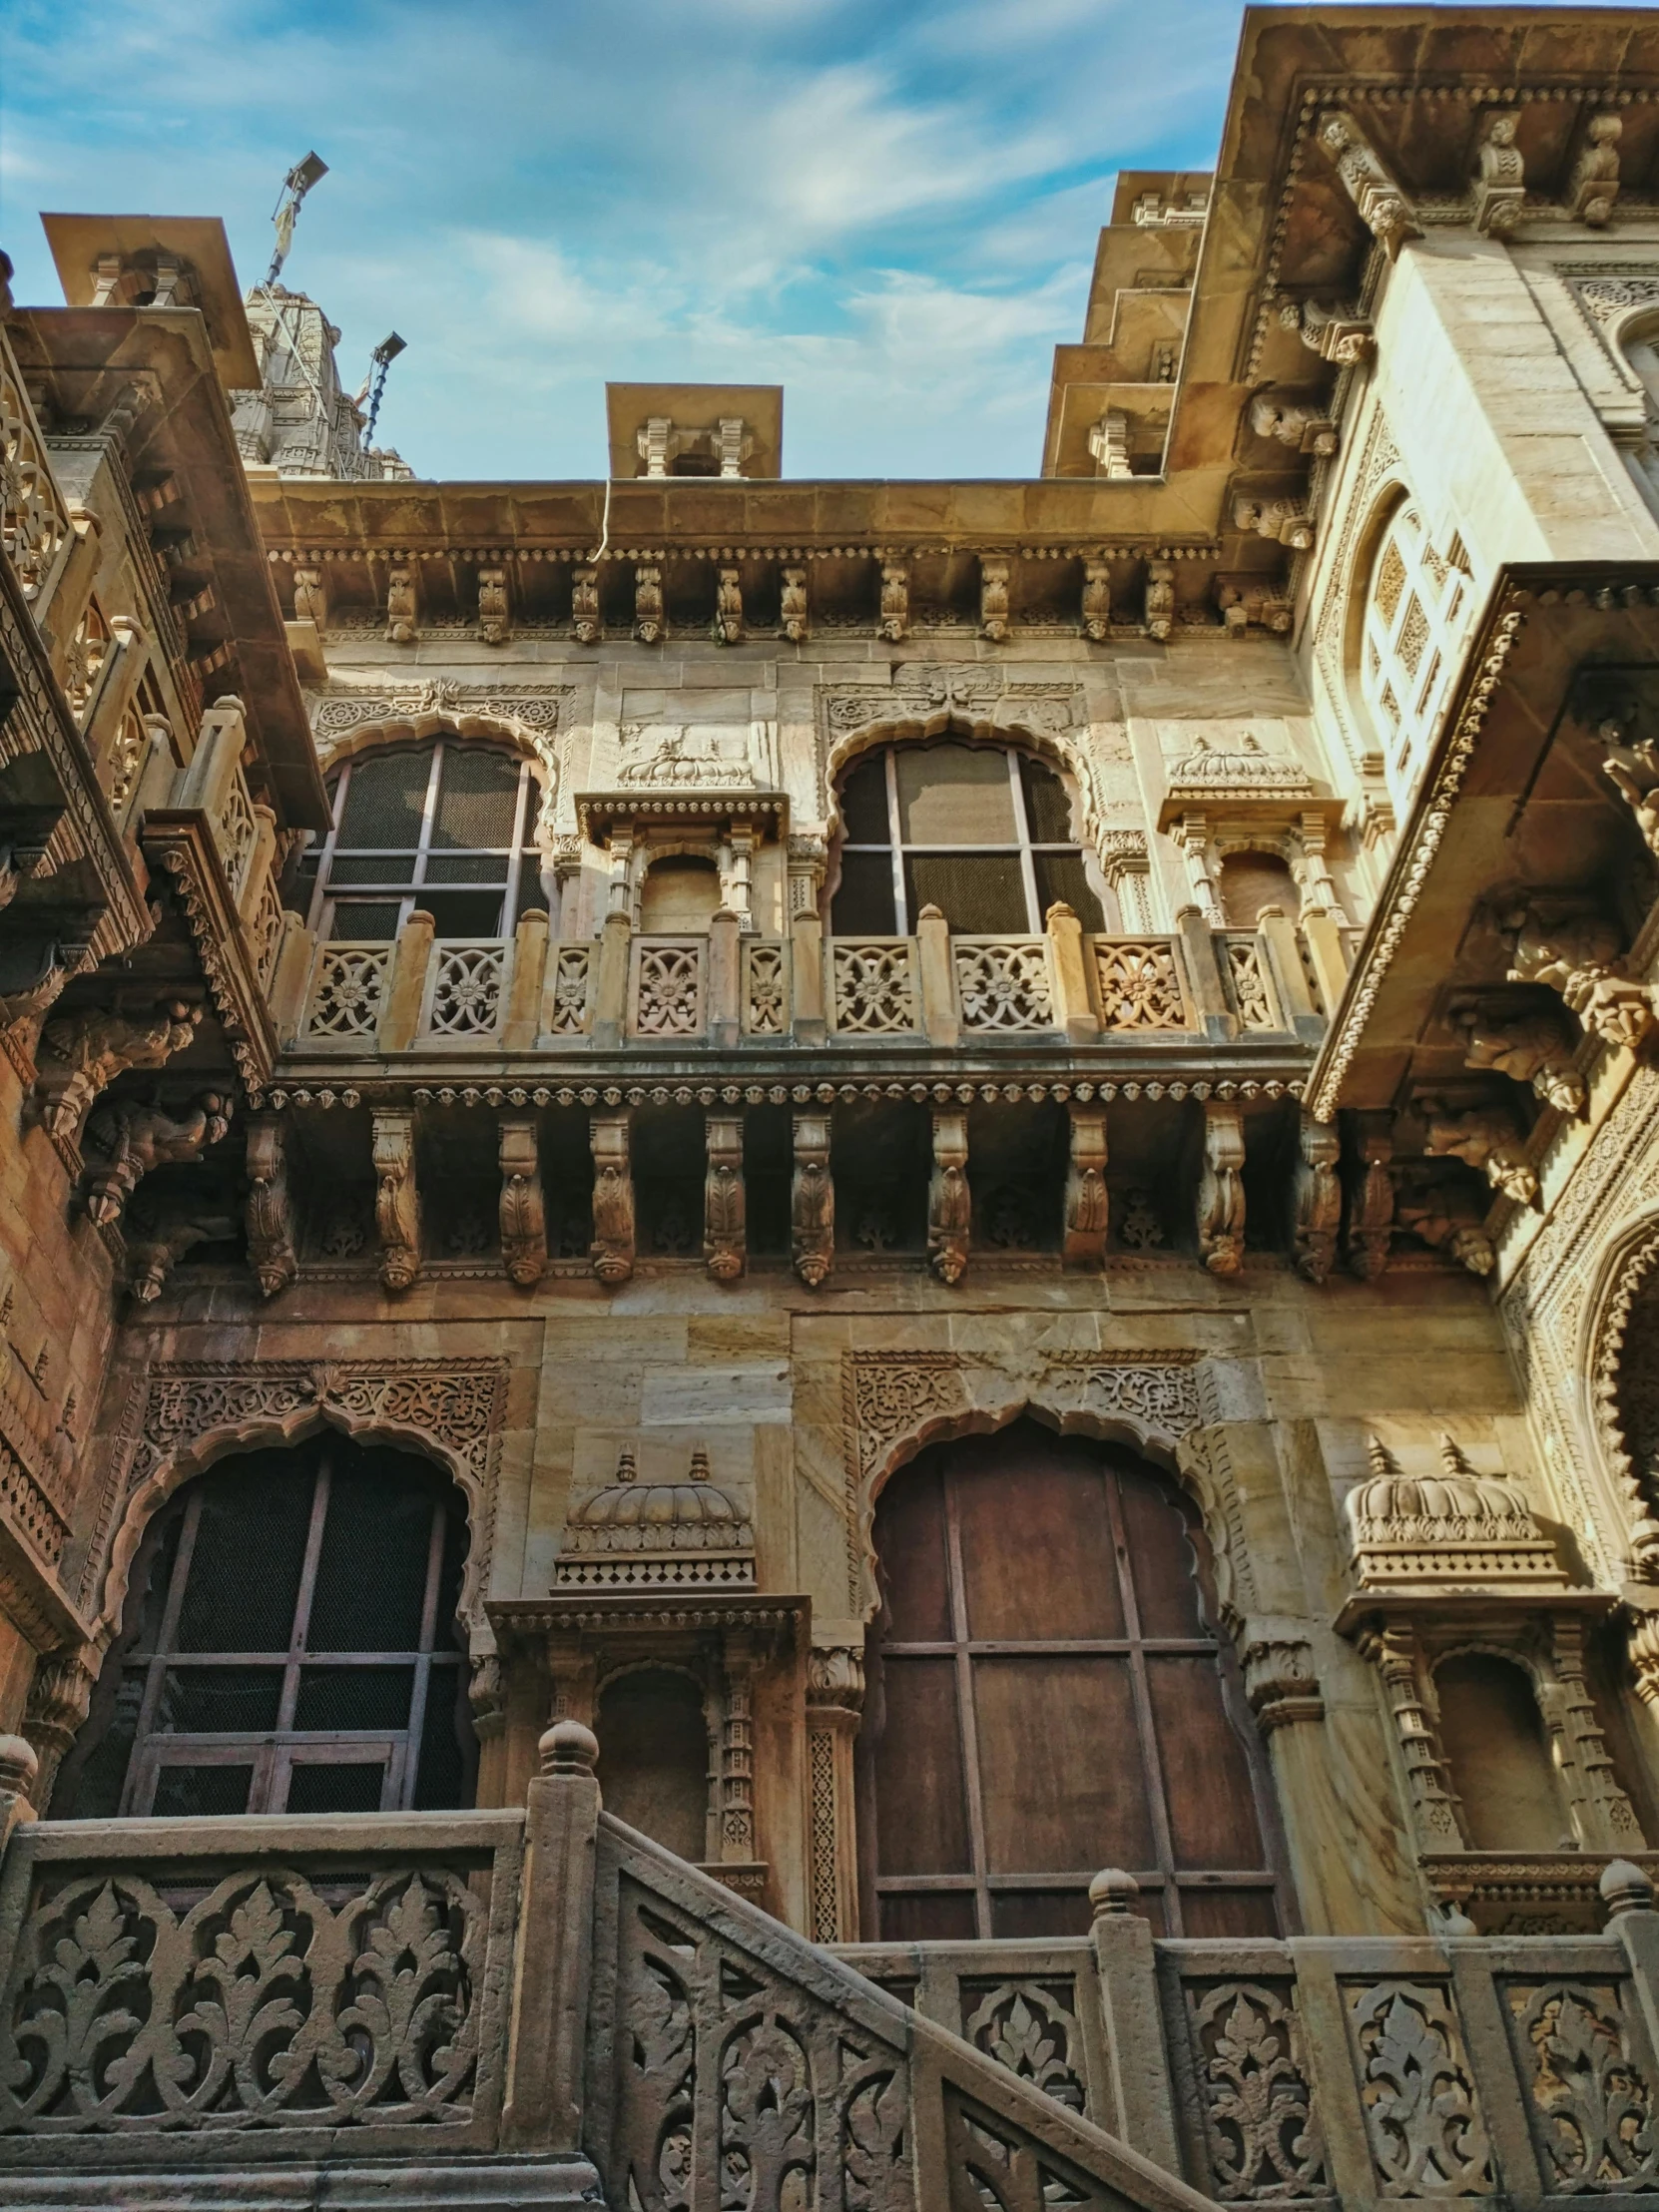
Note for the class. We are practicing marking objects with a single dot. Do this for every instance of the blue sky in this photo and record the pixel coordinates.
(890, 208)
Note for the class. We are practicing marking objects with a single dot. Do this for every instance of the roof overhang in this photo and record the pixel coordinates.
(198, 243)
(597, 812)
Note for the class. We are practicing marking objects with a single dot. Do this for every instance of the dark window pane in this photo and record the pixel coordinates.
(364, 921)
(1212, 1813)
(865, 803)
(980, 894)
(1063, 880)
(200, 1700)
(1047, 807)
(384, 806)
(441, 1780)
(477, 798)
(321, 1786)
(1032, 1915)
(353, 1697)
(863, 906)
(654, 1758)
(1060, 1766)
(297, 894)
(918, 1770)
(1161, 1557)
(954, 795)
(349, 869)
(376, 1512)
(463, 914)
(910, 1543)
(94, 1794)
(249, 1548)
(153, 1574)
(467, 867)
(1037, 1557)
(187, 1792)
(532, 893)
(917, 1917)
(1216, 1913)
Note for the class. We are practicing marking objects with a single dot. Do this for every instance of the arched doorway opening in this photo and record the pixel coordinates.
(1048, 1696)
(654, 1756)
(290, 1645)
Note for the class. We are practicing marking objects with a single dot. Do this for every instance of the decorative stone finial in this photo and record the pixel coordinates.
(1454, 1920)
(18, 1764)
(1113, 1891)
(625, 1469)
(1625, 1889)
(1378, 1456)
(700, 1465)
(1452, 1459)
(568, 1748)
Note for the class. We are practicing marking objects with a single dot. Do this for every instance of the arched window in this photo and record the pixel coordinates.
(680, 896)
(291, 1646)
(1419, 604)
(1047, 1697)
(1252, 880)
(1493, 1739)
(447, 827)
(982, 832)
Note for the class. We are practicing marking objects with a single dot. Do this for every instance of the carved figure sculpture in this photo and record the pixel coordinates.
(125, 1140)
(1097, 602)
(270, 1219)
(1284, 521)
(896, 601)
(1487, 1138)
(949, 1202)
(1315, 1200)
(524, 1210)
(613, 1196)
(648, 604)
(1160, 599)
(1576, 951)
(396, 1199)
(1499, 176)
(729, 608)
(401, 616)
(1303, 428)
(791, 604)
(811, 1200)
(1528, 1048)
(1221, 1195)
(1594, 185)
(585, 624)
(494, 619)
(82, 1054)
(994, 600)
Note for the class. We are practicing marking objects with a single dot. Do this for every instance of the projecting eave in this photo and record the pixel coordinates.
(1514, 802)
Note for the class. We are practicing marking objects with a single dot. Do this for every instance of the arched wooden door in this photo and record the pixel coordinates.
(1047, 1696)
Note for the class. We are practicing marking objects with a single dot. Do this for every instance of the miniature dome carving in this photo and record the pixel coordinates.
(635, 1534)
(1453, 1526)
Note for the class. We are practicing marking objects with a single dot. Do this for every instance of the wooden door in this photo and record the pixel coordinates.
(1047, 1696)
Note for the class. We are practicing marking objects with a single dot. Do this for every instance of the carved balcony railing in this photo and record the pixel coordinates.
(235, 831)
(567, 1003)
(766, 988)
(875, 991)
(1002, 983)
(465, 995)
(35, 529)
(1247, 972)
(348, 993)
(1140, 984)
(668, 986)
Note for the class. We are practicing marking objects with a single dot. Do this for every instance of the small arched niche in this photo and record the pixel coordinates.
(1495, 1747)
(1251, 880)
(654, 1756)
(680, 896)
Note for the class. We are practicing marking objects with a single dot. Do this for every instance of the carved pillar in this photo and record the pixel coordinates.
(949, 1202)
(523, 1215)
(1370, 1196)
(396, 1198)
(529, 975)
(1434, 1807)
(1139, 2073)
(399, 1022)
(19, 1784)
(724, 1233)
(1278, 933)
(1069, 976)
(1086, 1205)
(270, 1239)
(1127, 866)
(1319, 891)
(725, 980)
(1606, 1814)
(806, 860)
(1191, 834)
(740, 893)
(1315, 1200)
(1221, 1197)
(124, 664)
(291, 976)
(834, 1702)
(737, 1754)
(213, 765)
(612, 1249)
(610, 986)
(812, 1200)
(261, 855)
(1203, 983)
(59, 1697)
(938, 985)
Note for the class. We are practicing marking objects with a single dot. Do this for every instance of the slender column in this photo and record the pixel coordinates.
(834, 1701)
(1073, 1007)
(725, 979)
(400, 1008)
(610, 990)
(806, 860)
(938, 985)
(529, 973)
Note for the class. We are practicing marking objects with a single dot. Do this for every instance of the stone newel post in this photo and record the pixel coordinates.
(553, 1971)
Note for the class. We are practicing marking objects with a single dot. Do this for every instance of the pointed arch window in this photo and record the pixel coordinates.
(291, 1645)
(982, 832)
(448, 827)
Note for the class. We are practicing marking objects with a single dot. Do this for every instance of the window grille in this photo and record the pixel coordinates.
(448, 828)
(1417, 613)
(290, 1647)
(983, 832)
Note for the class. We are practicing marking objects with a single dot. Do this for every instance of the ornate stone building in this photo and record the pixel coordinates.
(948, 1190)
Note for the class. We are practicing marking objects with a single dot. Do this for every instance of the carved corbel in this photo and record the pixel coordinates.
(1303, 428)
(1315, 1200)
(1487, 1138)
(1594, 185)
(1241, 609)
(1097, 601)
(31, 976)
(1371, 1197)
(1221, 1194)
(1109, 443)
(1383, 206)
(156, 1245)
(585, 624)
(1445, 1223)
(994, 600)
(612, 1249)
(311, 598)
(523, 1214)
(1338, 335)
(1281, 1680)
(1393, 1652)
(811, 1200)
(495, 622)
(791, 606)
(1127, 866)
(402, 605)
(895, 602)
(1576, 951)
(396, 1198)
(1280, 521)
(271, 1238)
(486, 1695)
(723, 1229)
(1634, 765)
(1087, 1206)
(80, 1055)
(1530, 1048)
(1499, 176)
(728, 628)
(949, 1202)
(1160, 599)
(126, 1140)
(59, 1697)
(648, 605)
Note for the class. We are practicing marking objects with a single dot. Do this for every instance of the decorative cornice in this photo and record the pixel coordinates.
(844, 1090)
(179, 841)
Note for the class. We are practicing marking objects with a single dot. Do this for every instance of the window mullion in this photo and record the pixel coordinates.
(967, 1719)
(509, 909)
(299, 1634)
(167, 1636)
(900, 902)
(1023, 830)
(423, 1664)
(1152, 1765)
(430, 812)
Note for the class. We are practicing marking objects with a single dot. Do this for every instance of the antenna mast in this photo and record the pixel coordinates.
(382, 357)
(295, 185)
